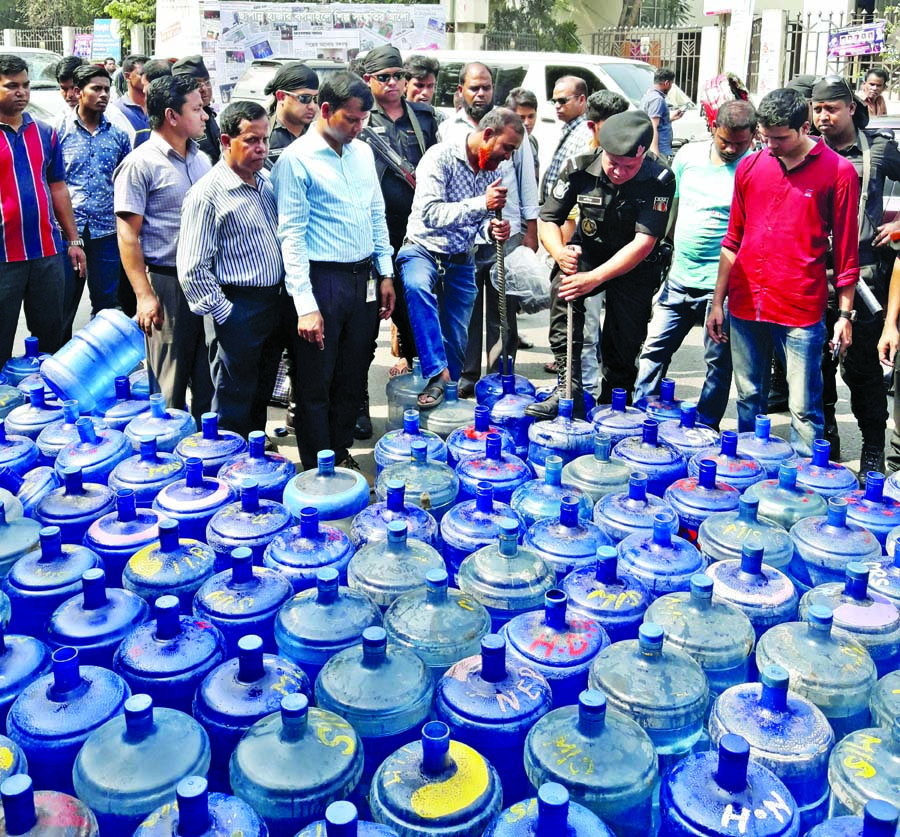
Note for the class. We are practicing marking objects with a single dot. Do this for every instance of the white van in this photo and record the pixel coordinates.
(538, 72)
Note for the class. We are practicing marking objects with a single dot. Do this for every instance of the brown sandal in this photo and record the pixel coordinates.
(434, 391)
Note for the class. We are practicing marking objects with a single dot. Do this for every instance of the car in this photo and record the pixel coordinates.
(42, 75)
(252, 83)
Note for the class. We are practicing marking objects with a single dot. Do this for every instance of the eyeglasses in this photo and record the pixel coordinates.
(384, 78)
(561, 100)
(205, 85)
(302, 98)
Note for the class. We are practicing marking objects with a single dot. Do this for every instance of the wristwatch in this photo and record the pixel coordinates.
(78, 242)
(847, 315)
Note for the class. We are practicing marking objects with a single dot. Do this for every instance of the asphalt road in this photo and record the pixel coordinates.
(687, 369)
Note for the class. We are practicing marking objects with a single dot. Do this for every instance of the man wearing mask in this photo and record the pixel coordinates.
(841, 118)
(293, 109)
(210, 143)
(457, 193)
(476, 87)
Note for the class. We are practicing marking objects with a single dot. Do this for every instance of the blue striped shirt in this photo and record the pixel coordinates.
(330, 209)
(228, 237)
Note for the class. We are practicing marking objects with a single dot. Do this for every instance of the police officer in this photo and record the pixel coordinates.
(293, 107)
(624, 196)
(841, 118)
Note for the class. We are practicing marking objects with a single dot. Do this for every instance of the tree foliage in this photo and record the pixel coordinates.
(654, 12)
(131, 12)
(540, 24)
(60, 13)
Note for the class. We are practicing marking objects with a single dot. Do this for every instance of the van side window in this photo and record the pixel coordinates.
(554, 72)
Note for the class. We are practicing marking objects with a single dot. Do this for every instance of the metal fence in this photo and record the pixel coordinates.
(676, 47)
(150, 38)
(806, 49)
(41, 39)
(526, 41)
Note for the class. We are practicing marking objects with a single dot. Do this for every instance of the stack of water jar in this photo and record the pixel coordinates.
(630, 626)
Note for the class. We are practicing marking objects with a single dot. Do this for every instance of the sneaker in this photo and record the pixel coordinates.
(871, 458)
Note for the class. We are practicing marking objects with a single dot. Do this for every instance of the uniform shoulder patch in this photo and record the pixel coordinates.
(560, 189)
(660, 204)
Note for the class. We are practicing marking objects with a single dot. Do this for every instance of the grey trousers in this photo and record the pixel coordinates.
(177, 357)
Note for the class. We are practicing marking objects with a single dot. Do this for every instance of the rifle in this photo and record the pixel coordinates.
(391, 158)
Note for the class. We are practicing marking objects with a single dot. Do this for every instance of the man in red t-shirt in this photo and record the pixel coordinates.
(788, 199)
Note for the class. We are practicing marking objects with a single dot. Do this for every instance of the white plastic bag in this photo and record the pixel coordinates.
(527, 279)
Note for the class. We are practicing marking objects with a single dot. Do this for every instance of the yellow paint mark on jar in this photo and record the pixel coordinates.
(145, 564)
(440, 799)
(6, 758)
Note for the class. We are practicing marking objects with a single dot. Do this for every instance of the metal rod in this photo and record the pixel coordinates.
(569, 349)
(501, 301)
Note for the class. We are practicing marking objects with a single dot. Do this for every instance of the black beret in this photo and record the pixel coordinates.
(191, 66)
(385, 57)
(627, 134)
(293, 76)
(802, 84)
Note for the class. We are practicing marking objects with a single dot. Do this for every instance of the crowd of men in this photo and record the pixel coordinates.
(243, 237)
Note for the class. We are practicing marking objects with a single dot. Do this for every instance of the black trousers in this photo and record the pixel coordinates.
(331, 382)
(244, 352)
(400, 316)
(629, 305)
(861, 371)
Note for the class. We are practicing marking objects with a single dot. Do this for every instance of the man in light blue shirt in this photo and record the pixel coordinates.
(333, 232)
(457, 193)
(704, 186)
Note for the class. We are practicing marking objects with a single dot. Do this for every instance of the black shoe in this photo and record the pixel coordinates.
(465, 389)
(349, 462)
(549, 408)
(363, 429)
(546, 409)
(833, 437)
(871, 458)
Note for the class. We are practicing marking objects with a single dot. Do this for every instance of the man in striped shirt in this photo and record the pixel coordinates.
(231, 271)
(332, 228)
(34, 203)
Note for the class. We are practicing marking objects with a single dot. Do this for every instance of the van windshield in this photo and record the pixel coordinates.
(633, 79)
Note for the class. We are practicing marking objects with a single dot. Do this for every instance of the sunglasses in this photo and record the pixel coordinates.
(303, 98)
(384, 78)
(561, 100)
(833, 78)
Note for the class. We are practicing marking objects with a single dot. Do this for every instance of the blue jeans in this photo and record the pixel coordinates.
(103, 266)
(751, 350)
(440, 296)
(677, 311)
